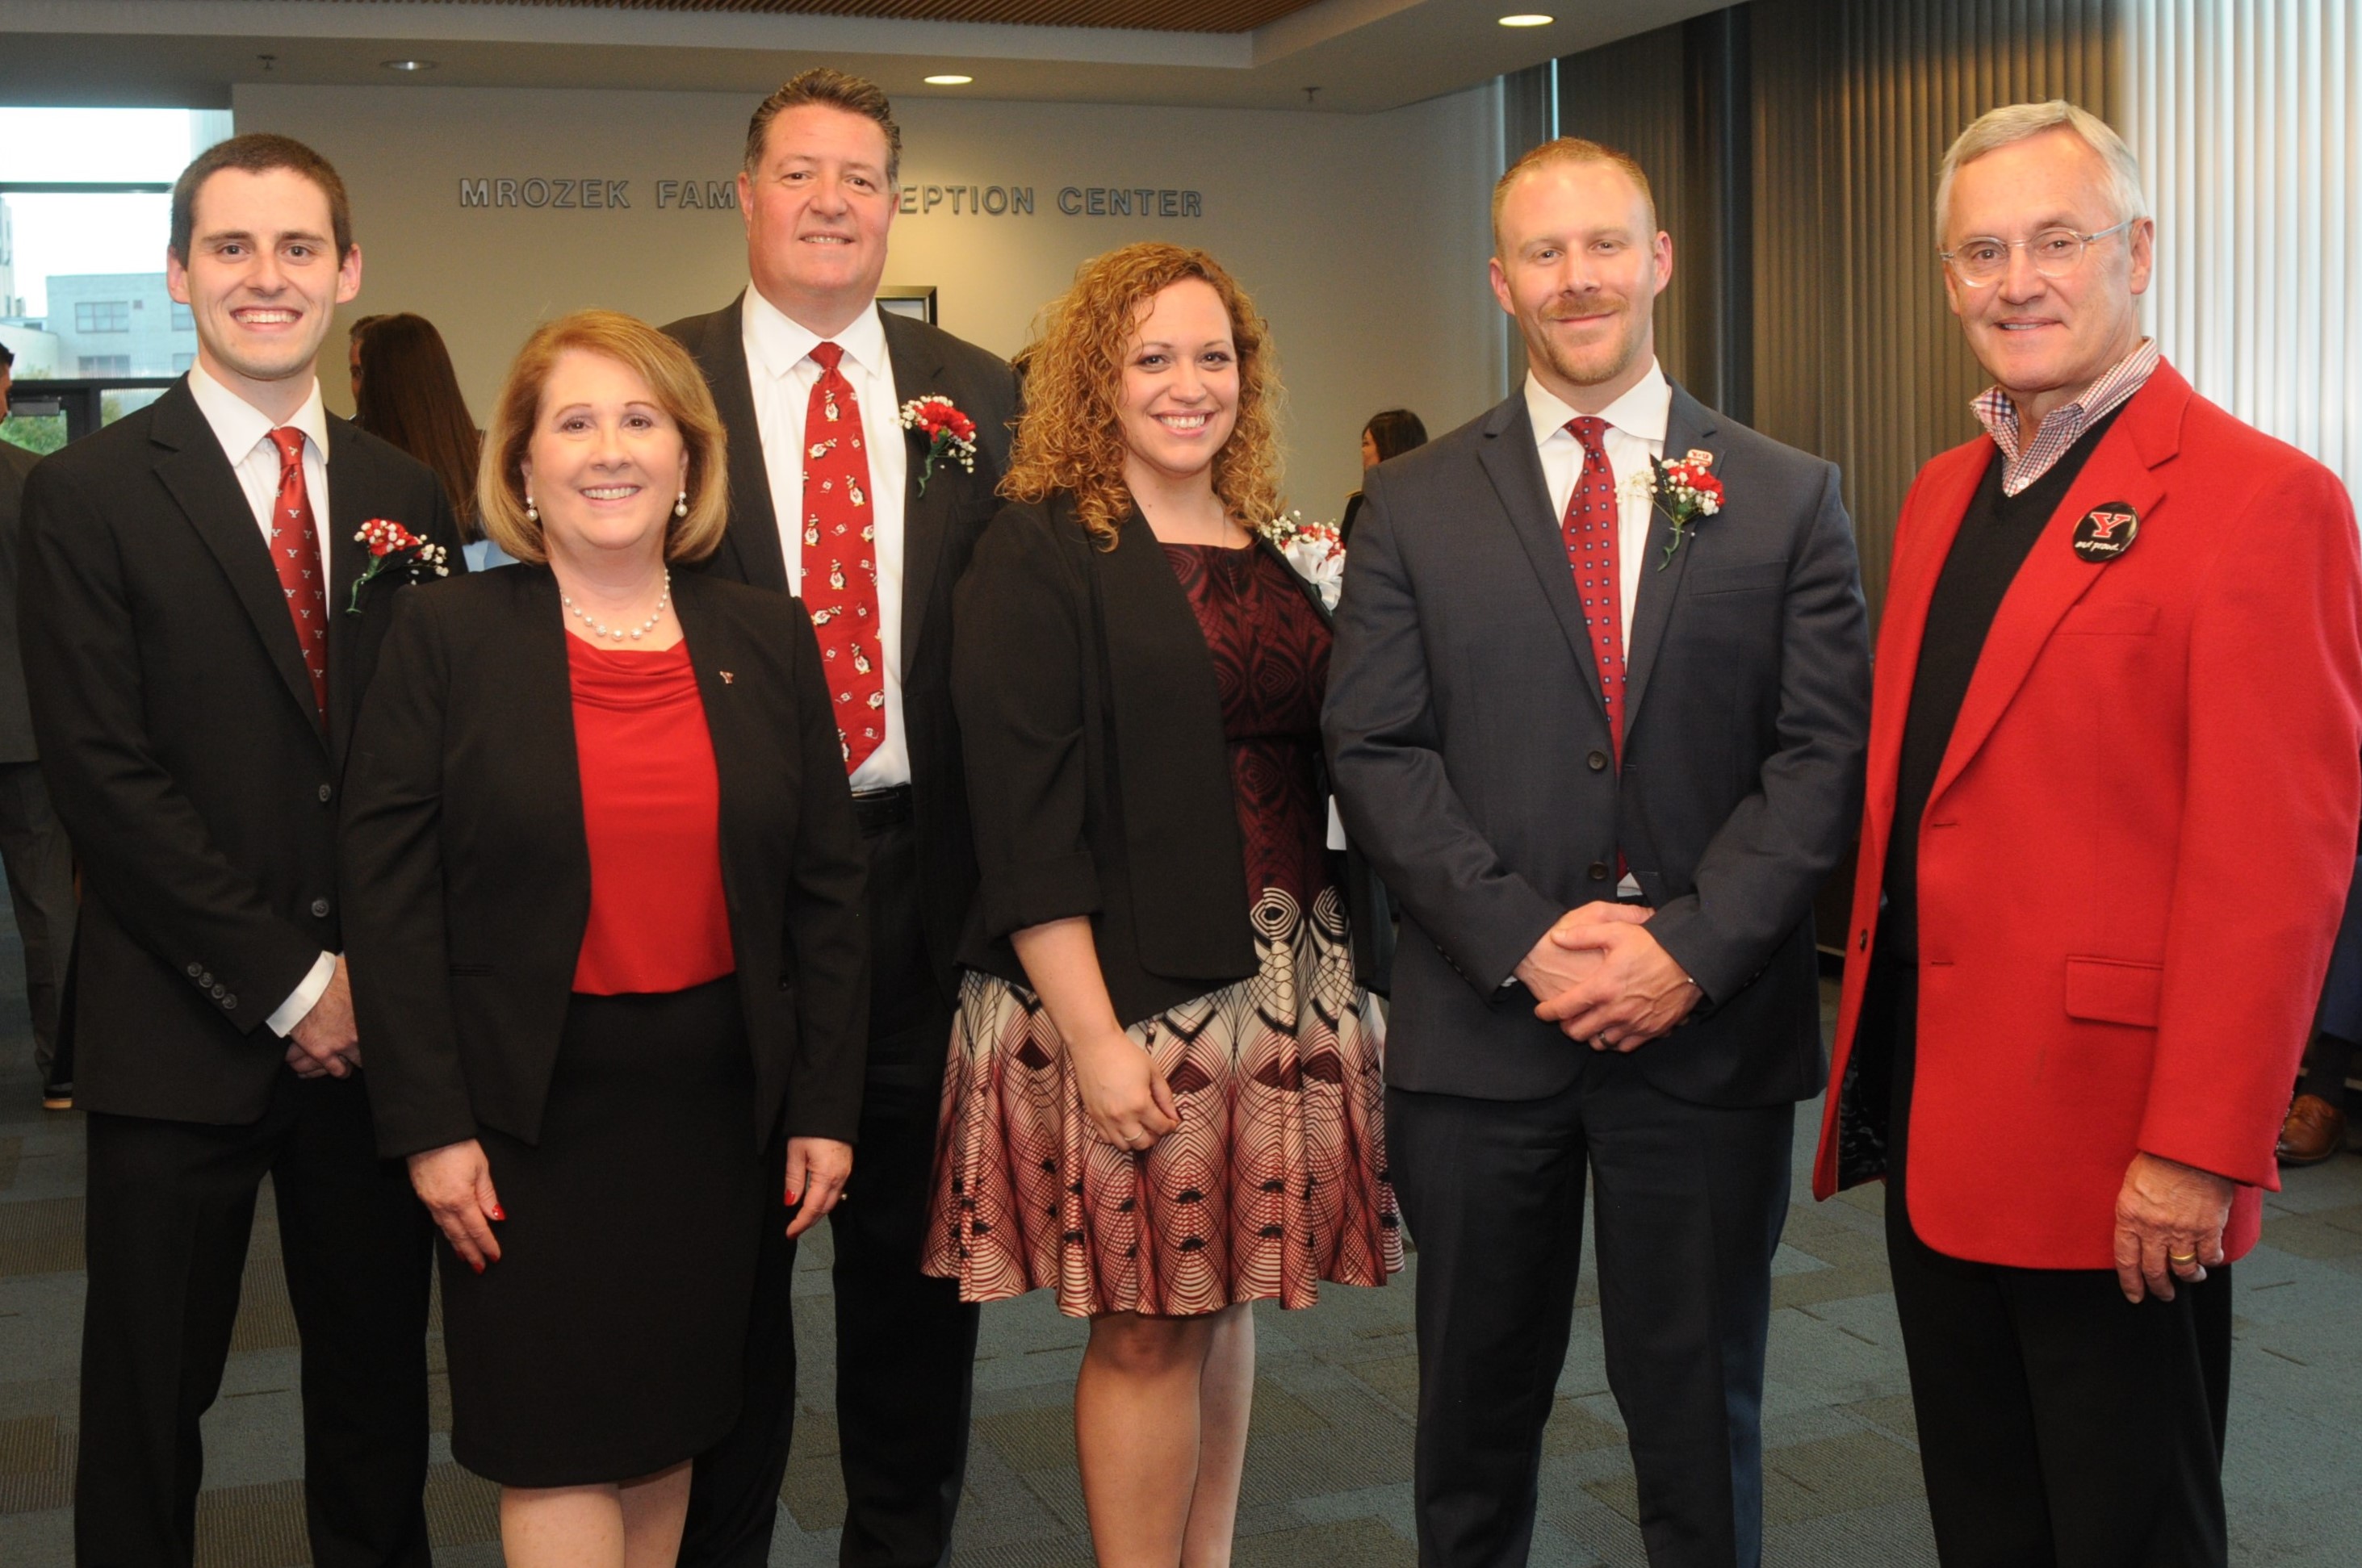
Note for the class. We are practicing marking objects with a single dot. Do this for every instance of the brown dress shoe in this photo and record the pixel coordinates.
(2314, 1130)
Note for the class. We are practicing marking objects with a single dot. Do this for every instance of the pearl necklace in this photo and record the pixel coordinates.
(618, 634)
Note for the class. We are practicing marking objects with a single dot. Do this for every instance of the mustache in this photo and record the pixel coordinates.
(1561, 310)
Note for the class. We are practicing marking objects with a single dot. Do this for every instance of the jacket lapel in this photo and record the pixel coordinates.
(926, 519)
(2053, 577)
(711, 649)
(1690, 425)
(348, 510)
(1514, 465)
(200, 480)
(754, 534)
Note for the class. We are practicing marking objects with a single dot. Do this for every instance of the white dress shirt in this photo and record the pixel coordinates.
(244, 432)
(1636, 432)
(781, 367)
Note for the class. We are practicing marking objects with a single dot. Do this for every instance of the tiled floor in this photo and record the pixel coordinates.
(1329, 1468)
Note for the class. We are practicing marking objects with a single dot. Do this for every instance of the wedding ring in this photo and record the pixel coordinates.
(2181, 1257)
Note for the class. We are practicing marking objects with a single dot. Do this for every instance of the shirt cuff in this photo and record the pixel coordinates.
(304, 997)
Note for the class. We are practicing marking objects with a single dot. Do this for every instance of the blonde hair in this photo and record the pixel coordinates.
(1998, 128)
(681, 391)
(1070, 437)
(1571, 149)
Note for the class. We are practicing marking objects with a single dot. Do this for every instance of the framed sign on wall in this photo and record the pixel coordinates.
(910, 299)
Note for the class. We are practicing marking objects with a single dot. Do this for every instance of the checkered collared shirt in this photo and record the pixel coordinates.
(2061, 427)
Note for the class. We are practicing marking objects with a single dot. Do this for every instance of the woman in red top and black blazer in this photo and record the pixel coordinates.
(603, 893)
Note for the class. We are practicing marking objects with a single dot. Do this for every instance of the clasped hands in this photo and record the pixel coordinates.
(1602, 979)
(325, 1042)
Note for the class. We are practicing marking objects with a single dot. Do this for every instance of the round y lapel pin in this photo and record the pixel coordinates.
(2107, 532)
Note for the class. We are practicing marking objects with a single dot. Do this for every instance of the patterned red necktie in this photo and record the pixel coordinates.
(295, 551)
(840, 585)
(1593, 520)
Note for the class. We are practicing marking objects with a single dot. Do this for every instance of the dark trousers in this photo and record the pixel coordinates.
(170, 1208)
(905, 1342)
(42, 891)
(1690, 1202)
(2059, 1425)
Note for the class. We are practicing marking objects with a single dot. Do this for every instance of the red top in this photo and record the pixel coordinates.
(652, 812)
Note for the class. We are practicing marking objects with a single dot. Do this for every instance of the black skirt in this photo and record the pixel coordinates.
(607, 1342)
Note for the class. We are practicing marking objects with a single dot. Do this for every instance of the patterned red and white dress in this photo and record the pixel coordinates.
(1277, 1178)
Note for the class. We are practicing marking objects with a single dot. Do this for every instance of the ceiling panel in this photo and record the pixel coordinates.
(1162, 16)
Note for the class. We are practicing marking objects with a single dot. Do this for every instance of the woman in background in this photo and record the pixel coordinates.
(1161, 1098)
(405, 392)
(1390, 434)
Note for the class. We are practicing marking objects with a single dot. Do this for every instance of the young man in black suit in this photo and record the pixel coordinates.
(808, 372)
(1606, 847)
(32, 846)
(197, 639)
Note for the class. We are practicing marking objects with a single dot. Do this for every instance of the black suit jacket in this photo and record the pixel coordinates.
(15, 713)
(1471, 750)
(939, 533)
(182, 742)
(1098, 770)
(470, 872)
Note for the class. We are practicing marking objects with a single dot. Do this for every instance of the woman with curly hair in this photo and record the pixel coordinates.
(1163, 1099)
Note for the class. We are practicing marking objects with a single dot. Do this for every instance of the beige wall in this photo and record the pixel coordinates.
(1362, 237)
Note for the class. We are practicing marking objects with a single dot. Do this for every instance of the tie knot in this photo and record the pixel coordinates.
(827, 355)
(290, 442)
(1590, 430)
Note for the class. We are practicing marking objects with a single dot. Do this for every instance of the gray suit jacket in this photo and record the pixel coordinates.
(1471, 754)
(15, 717)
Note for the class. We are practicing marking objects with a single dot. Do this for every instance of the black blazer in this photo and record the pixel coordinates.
(1098, 772)
(15, 713)
(939, 533)
(469, 873)
(1473, 764)
(182, 745)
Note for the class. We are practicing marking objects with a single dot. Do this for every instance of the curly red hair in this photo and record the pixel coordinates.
(1069, 437)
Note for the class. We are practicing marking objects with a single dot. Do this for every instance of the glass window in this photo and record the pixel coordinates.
(102, 315)
(105, 365)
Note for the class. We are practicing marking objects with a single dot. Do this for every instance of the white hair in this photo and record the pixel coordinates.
(1999, 128)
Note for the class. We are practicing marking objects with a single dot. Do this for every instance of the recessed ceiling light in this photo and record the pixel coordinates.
(407, 65)
(1527, 19)
(949, 80)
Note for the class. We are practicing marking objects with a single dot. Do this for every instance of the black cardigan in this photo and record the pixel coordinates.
(1098, 771)
(468, 875)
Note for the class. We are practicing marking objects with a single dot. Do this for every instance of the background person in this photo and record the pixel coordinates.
(804, 350)
(605, 897)
(1604, 808)
(1161, 1098)
(2072, 1009)
(197, 641)
(33, 846)
(2314, 1129)
(405, 392)
(1390, 434)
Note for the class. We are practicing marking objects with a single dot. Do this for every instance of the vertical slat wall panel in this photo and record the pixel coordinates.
(2248, 118)
(1857, 356)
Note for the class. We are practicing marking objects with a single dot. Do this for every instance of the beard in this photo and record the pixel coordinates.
(1592, 363)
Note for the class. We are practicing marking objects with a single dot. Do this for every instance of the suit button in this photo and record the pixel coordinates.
(1599, 871)
(231, 1002)
(220, 992)
(324, 792)
(320, 909)
(204, 980)
(1598, 761)
(195, 970)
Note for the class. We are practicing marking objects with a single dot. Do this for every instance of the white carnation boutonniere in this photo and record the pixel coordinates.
(391, 545)
(1685, 489)
(1314, 551)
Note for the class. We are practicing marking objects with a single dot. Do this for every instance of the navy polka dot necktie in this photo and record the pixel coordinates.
(1593, 520)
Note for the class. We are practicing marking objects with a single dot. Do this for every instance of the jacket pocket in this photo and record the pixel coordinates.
(2113, 991)
(1737, 578)
(472, 969)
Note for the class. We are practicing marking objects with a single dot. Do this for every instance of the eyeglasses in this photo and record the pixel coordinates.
(2054, 252)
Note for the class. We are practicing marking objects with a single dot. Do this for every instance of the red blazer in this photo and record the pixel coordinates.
(2139, 841)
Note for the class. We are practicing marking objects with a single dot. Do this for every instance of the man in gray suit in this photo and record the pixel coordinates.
(1604, 744)
(32, 845)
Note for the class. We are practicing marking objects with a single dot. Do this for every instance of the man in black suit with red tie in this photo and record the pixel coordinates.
(197, 635)
(808, 372)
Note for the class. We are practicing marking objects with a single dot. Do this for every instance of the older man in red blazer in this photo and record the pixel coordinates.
(2115, 763)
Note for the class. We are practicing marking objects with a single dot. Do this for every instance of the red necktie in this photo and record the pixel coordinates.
(839, 586)
(295, 551)
(1593, 520)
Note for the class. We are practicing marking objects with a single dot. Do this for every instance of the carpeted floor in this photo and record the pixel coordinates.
(1328, 1478)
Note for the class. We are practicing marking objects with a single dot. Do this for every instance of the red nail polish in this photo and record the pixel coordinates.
(794, 1198)
(477, 1266)
(499, 1212)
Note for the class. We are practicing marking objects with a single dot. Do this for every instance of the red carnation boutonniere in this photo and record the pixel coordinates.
(1685, 489)
(949, 434)
(387, 543)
